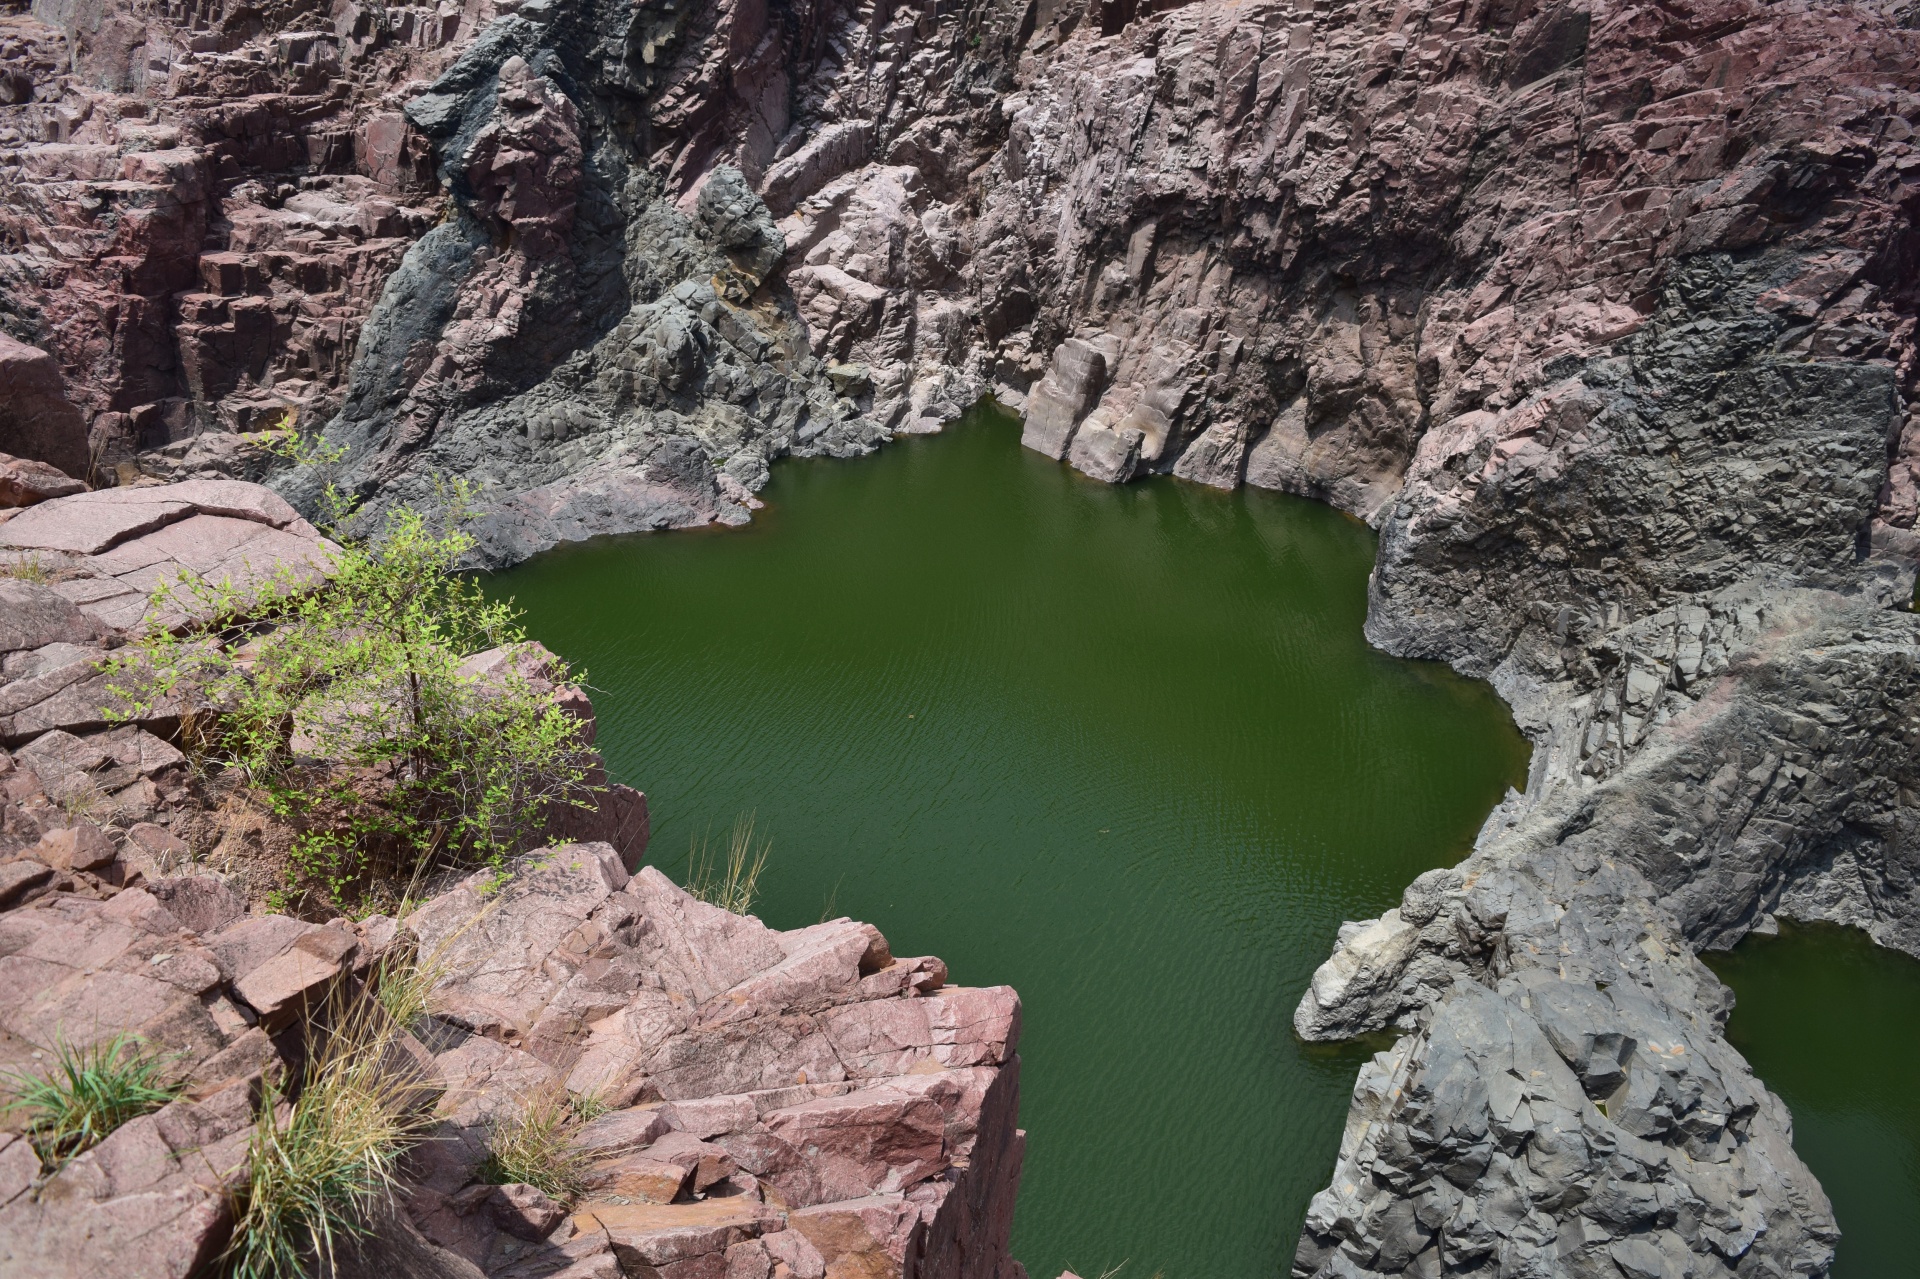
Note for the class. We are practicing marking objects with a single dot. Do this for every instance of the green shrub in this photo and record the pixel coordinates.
(90, 1092)
(343, 701)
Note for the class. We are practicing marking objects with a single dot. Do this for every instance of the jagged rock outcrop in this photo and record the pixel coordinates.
(800, 1103)
(781, 1105)
(1619, 1119)
(1603, 314)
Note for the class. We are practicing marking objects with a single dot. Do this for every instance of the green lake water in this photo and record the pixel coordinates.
(1832, 1023)
(1122, 748)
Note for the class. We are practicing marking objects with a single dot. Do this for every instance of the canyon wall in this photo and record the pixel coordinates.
(744, 1101)
(1603, 314)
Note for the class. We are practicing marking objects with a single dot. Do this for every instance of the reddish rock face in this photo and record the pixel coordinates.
(202, 210)
(37, 426)
(758, 1124)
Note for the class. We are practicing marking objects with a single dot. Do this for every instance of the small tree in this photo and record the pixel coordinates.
(346, 704)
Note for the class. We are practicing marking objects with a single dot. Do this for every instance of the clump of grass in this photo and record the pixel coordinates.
(26, 568)
(730, 880)
(534, 1146)
(86, 802)
(90, 1092)
(319, 1166)
(403, 985)
(588, 1108)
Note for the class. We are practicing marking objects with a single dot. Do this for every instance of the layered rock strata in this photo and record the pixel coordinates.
(790, 1104)
(1603, 315)
(776, 1105)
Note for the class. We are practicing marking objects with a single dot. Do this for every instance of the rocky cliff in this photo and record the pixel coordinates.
(776, 1105)
(1603, 314)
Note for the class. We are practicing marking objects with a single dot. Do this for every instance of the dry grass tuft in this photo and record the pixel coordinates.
(319, 1165)
(733, 882)
(534, 1145)
(26, 568)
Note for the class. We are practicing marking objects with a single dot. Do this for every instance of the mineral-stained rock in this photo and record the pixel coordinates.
(640, 1179)
(661, 1235)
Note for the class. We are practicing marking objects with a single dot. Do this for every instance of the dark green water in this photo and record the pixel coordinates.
(1123, 748)
(1832, 1023)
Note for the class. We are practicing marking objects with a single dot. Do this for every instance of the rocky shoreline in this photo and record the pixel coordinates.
(1603, 316)
(773, 1104)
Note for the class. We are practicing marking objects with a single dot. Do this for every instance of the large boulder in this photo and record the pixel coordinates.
(37, 422)
(24, 481)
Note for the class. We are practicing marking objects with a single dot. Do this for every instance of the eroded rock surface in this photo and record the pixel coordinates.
(795, 1104)
(800, 1103)
(1603, 314)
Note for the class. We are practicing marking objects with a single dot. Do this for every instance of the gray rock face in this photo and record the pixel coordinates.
(593, 346)
(1667, 577)
(1071, 387)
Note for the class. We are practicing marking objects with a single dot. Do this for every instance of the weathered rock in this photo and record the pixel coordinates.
(33, 614)
(660, 1235)
(149, 1201)
(19, 879)
(114, 547)
(1071, 387)
(287, 974)
(36, 421)
(524, 1212)
(785, 1080)
(79, 847)
(204, 903)
(24, 481)
(640, 1179)
(873, 1140)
